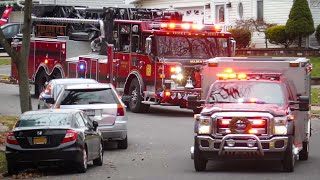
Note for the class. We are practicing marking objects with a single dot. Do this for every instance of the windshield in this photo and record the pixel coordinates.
(88, 96)
(192, 47)
(35, 120)
(247, 92)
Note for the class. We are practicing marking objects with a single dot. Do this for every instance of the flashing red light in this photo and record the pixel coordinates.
(173, 69)
(253, 131)
(217, 27)
(46, 61)
(197, 26)
(242, 76)
(167, 93)
(258, 122)
(229, 70)
(229, 74)
(185, 26)
(163, 25)
(225, 122)
(253, 100)
(172, 25)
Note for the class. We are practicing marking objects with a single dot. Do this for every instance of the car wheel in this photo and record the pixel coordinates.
(83, 165)
(12, 168)
(200, 163)
(99, 160)
(123, 144)
(289, 157)
(135, 104)
(42, 78)
(304, 153)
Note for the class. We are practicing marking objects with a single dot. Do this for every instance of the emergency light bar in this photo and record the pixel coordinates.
(185, 26)
(229, 74)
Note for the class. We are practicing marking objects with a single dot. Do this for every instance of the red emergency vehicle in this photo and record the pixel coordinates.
(151, 56)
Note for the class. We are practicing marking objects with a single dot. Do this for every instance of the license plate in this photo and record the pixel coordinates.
(90, 112)
(39, 140)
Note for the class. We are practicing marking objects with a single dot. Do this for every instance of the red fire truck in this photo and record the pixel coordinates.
(151, 56)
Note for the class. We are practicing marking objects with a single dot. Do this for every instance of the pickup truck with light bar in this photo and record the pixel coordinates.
(253, 108)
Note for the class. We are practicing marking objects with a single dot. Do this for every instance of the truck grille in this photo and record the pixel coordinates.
(258, 125)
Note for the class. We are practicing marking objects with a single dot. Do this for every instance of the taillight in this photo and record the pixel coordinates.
(11, 139)
(71, 135)
(120, 110)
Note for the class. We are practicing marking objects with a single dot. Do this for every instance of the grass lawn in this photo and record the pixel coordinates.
(7, 121)
(316, 66)
(5, 61)
(315, 96)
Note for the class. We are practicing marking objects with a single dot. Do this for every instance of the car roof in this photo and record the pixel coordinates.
(52, 111)
(88, 86)
(73, 81)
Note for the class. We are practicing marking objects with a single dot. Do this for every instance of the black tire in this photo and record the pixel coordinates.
(304, 153)
(135, 104)
(289, 158)
(99, 160)
(41, 79)
(123, 144)
(200, 163)
(12, 168)
(83, 164)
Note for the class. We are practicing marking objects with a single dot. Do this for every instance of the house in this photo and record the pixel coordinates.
(227, 12)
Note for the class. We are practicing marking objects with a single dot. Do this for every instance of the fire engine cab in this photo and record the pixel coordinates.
(254, 108)
(151, 56)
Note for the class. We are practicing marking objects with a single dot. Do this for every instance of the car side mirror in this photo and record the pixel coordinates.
(303, 102)
(49, 100)
(148, 45)
(95, 125)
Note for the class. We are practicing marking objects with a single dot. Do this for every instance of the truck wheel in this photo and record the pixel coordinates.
(200, 163)
(304, 153)
(135, 104)
(41, 79)
(289, 157)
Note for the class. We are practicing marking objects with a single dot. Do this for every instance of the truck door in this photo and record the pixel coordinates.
(122, 55)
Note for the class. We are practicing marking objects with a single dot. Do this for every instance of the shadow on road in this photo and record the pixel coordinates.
(167, 111)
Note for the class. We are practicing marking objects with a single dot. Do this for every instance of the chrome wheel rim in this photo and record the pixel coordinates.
(134, 96)
(85, 159)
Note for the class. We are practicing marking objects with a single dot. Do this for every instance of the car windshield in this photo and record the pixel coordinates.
(247, 92)
(48, 119)
(88, 96)
(192, 47)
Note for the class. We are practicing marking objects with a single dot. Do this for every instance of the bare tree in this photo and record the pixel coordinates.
(20, 59)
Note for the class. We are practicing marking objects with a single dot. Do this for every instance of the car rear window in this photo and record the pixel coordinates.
(35, 120)
(88, 96)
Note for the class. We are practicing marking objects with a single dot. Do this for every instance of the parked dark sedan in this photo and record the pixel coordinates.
(54, 136)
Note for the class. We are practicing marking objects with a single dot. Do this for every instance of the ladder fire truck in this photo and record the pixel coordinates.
(151, 56)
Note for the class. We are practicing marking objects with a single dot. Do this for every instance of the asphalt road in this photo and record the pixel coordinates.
(159, 144)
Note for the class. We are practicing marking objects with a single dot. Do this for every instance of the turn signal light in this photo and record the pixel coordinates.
(11, 139)
(167, 93)
(253, 131)
(71, 135)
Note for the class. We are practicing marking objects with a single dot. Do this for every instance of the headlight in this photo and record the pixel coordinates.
(204, 126)
(179, 77)
(178, 69)
(280, 130)
(280, 125)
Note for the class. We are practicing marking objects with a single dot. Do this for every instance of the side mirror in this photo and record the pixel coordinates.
(49, 100)
(95, 125)
(304, 103)
(148, 45)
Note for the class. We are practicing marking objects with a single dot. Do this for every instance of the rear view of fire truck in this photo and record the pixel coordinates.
(151, 56)
(254, 108)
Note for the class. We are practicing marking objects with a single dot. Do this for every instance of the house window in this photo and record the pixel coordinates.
(240, 10)
(220, 14)
(260, 9)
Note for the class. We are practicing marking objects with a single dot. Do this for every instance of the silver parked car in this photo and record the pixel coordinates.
(102, 104)
(49, 95)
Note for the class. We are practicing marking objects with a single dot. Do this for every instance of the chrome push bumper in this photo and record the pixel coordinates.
(240, 143)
